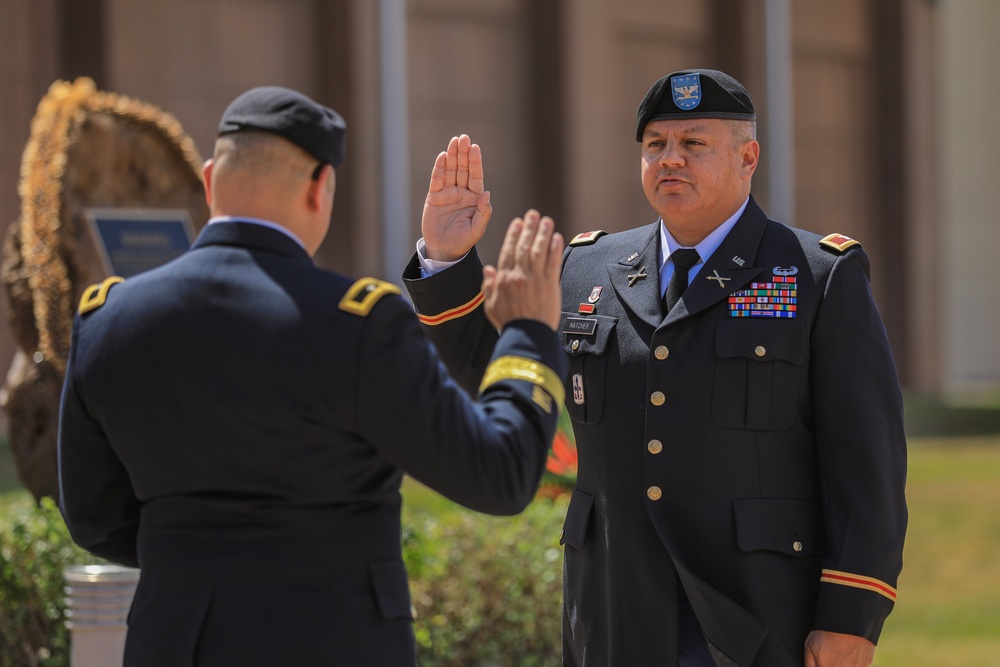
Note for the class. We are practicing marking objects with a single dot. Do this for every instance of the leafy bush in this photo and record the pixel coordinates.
(34, 549)
(487, 590)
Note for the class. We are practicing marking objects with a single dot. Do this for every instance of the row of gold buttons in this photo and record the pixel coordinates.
(655, 446)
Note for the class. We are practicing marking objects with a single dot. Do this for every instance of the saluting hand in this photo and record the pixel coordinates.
(525, 282)
(457, 208)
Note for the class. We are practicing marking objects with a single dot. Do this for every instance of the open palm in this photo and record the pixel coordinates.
(457, 208)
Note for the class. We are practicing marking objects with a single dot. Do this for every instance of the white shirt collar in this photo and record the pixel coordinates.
(705, 249)
(258, 221)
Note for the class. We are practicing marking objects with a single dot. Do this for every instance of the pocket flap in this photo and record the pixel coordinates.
(392, 589)
(574, 532)
(586, 334)
(789, 526)
(761, 340)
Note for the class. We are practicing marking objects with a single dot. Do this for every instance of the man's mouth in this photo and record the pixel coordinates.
(670, 181)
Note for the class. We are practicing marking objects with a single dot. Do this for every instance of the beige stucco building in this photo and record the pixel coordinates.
(888, 136)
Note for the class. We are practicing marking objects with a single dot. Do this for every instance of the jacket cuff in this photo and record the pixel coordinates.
(448, 295)
(853, 605)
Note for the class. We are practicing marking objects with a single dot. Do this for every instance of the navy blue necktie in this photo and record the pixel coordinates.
(683, 259)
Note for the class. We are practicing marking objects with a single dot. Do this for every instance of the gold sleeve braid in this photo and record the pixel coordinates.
(528, 370)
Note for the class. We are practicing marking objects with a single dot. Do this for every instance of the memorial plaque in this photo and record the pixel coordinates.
(131, 241)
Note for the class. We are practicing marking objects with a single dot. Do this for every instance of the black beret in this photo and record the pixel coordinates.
(310, 126)
(694, 93)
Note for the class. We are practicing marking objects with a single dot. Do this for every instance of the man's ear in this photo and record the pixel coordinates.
(751, 156)
(322, 188)
(206, 174)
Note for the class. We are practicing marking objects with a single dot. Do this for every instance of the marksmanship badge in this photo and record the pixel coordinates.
(686, 89)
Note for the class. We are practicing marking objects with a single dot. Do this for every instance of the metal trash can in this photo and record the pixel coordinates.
(98, 598)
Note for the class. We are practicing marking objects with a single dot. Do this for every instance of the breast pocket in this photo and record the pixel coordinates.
(586, 341)
(759, 373)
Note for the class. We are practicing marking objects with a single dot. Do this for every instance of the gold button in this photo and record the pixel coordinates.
(658, 398)
(797, 546)
(760, 351)
(655, 446)
(654, 493)
(575, 345)
(661, 352)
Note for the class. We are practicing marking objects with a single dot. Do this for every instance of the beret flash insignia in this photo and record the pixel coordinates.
(364, 294)
(686, 90)
(838, 243)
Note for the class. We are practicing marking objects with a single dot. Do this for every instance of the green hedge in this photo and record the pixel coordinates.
(34, 549)
(486, 589)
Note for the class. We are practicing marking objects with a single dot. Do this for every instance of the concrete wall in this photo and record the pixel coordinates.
(549, 89)
(27, 67)
(968, 232)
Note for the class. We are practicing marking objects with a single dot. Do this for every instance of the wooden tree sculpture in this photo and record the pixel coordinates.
(88, 149)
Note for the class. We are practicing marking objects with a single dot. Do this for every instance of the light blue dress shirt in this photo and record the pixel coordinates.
(705, 249)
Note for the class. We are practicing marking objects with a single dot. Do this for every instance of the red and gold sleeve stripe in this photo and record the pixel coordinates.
(453, 314)
(858, 581)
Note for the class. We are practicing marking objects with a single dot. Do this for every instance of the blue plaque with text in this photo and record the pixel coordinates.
(131, 241)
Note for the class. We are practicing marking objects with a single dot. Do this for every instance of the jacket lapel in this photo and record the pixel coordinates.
(636, 276)
(731, 267)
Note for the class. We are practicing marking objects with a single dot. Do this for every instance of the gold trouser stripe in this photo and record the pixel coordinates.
(521, 368)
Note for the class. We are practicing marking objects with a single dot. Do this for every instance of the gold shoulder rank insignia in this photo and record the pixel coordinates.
(587, 237)
(364, 294)
(94, 296)
(838, 243)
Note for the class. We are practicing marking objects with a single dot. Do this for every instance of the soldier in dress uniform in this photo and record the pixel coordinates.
(735, 404)
(224, 417)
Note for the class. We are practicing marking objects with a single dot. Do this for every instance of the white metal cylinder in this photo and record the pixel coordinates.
(98, 599)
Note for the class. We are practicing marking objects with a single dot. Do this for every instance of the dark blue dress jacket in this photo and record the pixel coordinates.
(756, 462)
(237, 423)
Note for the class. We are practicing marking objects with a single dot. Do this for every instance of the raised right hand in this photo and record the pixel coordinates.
(525, 282)
(457, 208)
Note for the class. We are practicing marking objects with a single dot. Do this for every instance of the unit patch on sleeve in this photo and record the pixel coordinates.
(94, 296)
(587, 237)
(364, 294)
(838, 243)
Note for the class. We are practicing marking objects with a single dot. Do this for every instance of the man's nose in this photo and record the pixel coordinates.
(671, 156)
